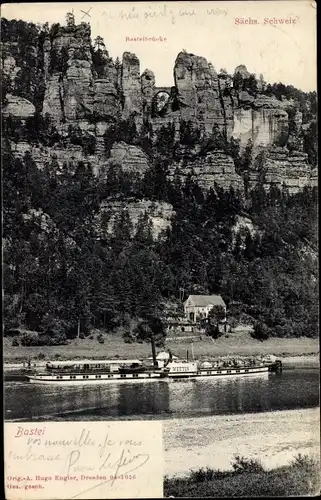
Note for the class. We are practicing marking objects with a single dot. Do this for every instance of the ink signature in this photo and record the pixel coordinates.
(120, 463)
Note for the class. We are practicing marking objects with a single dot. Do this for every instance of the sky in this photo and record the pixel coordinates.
(282, 52)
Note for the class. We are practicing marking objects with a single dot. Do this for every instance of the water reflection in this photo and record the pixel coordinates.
(292, 389)
(149, 399)
(235, 395)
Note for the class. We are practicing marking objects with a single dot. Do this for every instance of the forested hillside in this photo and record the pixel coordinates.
(64, 269)
(58, 267)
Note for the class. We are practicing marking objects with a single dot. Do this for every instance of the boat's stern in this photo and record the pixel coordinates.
(275, 366)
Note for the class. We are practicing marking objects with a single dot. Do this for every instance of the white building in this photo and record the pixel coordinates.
(198, 306)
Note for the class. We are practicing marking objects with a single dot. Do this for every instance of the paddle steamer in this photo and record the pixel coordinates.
(163, 367)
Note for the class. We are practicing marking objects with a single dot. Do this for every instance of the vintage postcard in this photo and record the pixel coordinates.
(160, 248)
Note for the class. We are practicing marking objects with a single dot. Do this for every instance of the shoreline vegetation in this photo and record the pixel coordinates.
(249, 479)
(290, 350)
(282, 451)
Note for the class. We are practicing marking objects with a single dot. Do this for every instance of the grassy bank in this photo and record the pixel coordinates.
(241, 344)
(249, 479)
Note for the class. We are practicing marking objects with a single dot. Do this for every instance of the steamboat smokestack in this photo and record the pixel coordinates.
(153, 350)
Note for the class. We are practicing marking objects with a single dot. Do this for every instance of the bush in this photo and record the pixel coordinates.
(283, 330)
(213, 331)
(283, 482)
(59, 339)
(101, 340)
(81, 335)
(15, 343)
(232, 322)
(261, 331)
(53, 326)
(12, 332)
(145, 328)
(129, 337)
(41, 340)
(242, 464)
(30, 339)
(206, 474)
(53, 332)
(41, 355)
(305, 461)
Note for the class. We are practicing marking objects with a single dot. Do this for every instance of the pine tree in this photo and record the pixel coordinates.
(70, 19)
(122, 231)
(99, 43)
(237, 250)
(144, 231)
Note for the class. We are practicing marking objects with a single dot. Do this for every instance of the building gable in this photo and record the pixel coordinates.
(189, 302)
(204, 301)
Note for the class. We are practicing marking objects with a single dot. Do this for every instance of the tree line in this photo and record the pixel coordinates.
(64, 271)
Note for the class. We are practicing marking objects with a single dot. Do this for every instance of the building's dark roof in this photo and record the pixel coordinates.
(207, 300)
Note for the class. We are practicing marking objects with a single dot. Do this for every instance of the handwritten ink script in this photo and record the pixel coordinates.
(171, 12)
(65, 460)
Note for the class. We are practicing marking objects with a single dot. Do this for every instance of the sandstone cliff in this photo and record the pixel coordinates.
(18, 107)
(76, 84)
(159, 214)
(130, 158)
(215, 168)
(285, 169)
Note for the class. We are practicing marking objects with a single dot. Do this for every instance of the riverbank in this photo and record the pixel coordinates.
(16, 368)
(249, 479)
(303, 360)
(274, 438)
(236, 344)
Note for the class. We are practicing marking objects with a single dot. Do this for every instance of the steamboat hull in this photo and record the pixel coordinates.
(220, 373)
(94, 379)
(180, 372)
(123, 378)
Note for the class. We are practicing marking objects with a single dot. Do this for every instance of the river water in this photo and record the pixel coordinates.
(291, 389)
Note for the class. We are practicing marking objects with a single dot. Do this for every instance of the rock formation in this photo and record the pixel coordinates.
(215, 168)
(289, 170)
(198, 91)
(159, 214)
(148, 92)
(131, 86)
(263, 126)
(83, 87)
(130, 158)
(18, 107)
